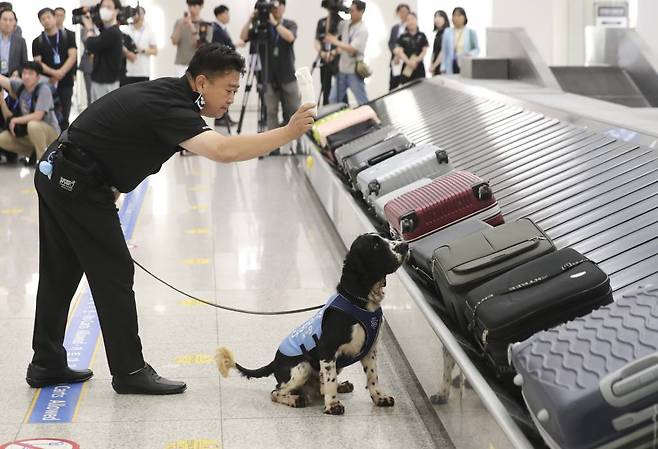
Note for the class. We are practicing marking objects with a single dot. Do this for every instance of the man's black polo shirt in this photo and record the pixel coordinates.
(133, 130)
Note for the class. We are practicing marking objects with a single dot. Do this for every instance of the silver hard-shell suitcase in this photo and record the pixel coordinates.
(379, 203)
(425, 161)
(593, 382)
(362, 143)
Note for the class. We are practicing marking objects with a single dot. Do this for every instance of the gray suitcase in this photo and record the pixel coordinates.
(593, 382)
(362, 143)
(462, 265)
(379, 203)
(425, 161)
(422, 250)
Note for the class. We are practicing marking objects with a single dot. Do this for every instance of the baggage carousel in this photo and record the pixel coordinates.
(590, 183)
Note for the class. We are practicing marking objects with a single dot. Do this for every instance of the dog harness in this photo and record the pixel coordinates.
(303, 339)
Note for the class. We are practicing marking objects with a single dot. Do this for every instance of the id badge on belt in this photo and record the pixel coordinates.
(275, 52)
(4, 66)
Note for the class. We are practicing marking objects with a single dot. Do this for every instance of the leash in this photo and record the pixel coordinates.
(230, 309)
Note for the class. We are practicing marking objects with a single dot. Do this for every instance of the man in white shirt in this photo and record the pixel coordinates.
(352, 46)
(138, 64)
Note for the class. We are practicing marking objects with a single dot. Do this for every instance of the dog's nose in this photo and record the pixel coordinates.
(402, 247)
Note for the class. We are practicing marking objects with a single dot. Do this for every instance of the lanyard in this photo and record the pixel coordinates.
(56, 57)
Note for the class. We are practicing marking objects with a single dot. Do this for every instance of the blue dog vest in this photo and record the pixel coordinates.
(303, 339)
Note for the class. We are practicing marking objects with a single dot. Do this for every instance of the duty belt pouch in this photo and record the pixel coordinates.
(75, 173)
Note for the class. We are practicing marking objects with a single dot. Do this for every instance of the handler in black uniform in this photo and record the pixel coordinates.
(411, 48)
(111, 147)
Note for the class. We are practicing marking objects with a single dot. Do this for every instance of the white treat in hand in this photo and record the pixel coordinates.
(305, 83)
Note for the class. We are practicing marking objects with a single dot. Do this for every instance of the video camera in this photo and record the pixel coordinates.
(335, 6)
(263, 10)
(125, 14)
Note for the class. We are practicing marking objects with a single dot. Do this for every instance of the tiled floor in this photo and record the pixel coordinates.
(247, 235)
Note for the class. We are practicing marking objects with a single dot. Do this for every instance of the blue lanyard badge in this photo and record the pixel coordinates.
(56, 57)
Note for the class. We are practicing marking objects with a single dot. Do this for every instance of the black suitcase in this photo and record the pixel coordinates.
(460, 266)
(532, 297)
(374, 155)
(422, 250)
(347, 135)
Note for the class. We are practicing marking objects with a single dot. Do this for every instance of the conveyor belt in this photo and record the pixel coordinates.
(584, 188)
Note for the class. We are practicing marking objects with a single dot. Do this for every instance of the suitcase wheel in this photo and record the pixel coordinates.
(374, 187)
(483, 192)
(442, 156)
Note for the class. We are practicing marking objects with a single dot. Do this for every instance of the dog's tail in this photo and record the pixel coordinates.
(225, 361)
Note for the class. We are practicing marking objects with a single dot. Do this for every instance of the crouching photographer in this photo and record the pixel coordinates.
(31, 121)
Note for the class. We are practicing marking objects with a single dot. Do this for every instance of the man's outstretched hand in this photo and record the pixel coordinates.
(301, 121)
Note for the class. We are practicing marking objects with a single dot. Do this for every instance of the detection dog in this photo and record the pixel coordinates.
(344, 331)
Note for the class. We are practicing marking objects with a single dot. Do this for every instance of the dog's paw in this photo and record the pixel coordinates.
(345, 387)
(299, 401)
(335, 408)
(439, 398)
(384, 401)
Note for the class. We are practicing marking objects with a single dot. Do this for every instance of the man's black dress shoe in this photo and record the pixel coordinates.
(38, 376)
(146, 381)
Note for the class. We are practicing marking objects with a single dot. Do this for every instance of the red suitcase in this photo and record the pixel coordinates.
(447, 200)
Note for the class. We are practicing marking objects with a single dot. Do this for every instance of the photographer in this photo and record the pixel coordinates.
(58, 55)
(352, 46)
(119, 142)
(328, 53)
(138, 61)
(189, 33)
(274, 37)
(31, 125)
(106, 47)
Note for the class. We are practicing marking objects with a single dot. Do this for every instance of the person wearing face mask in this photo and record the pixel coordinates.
(107, 48)
(119, 141)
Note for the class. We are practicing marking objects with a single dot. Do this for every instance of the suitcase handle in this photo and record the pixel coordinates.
(637, 380)
(382, 157)
(374, 187)
(497, 257)
(442, 156)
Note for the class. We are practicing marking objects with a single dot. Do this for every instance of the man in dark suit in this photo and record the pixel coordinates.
(220, 30)
(13, 50)
(398, 29)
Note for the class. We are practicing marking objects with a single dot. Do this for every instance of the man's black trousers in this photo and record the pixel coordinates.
(80, 232)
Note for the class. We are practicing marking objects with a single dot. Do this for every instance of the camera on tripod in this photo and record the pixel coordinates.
(335, 6)
(263, 10)
(123, 17)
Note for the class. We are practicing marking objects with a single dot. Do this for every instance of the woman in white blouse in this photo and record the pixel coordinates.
(458, 41)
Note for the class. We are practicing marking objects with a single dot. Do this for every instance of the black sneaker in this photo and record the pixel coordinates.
(38, 376)
(146, 381)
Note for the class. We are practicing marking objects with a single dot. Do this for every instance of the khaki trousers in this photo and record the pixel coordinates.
(39, 135)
